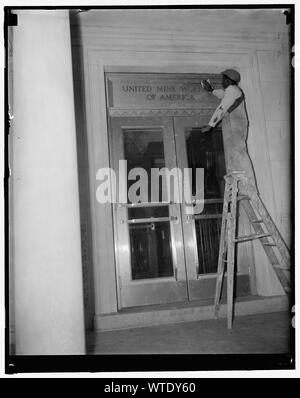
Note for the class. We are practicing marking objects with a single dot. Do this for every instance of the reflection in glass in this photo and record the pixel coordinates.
(206, 151)
(150, 241)
(144, 148)
(208, 235)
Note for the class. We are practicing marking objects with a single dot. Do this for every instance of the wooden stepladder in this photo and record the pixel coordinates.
(264, 228)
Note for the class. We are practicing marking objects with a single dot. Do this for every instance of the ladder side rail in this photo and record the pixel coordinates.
(231, 253)
(222, 249)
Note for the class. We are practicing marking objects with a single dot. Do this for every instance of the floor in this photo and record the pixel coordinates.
(263, 333)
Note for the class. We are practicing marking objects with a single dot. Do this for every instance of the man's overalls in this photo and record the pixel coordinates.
(234, 118)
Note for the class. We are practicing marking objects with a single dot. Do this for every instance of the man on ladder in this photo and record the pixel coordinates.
(240, 184)
(232, 112)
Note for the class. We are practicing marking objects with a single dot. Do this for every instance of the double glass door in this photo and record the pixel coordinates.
(164, 253)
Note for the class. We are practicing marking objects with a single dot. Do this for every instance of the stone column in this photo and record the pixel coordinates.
(45, 223)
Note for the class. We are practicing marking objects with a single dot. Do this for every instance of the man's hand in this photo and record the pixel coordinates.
(206, 129)
(206, 85)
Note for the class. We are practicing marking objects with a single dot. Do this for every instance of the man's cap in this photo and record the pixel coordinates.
(232, 74)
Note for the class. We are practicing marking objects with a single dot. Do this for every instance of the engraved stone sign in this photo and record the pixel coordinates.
(162, 91)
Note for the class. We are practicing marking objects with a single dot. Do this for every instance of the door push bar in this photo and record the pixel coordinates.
(150, 219)
(166, 203)
(145, 204)
(206, 201)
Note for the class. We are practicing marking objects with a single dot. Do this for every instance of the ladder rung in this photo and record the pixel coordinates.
(254, 208)
(250, 237)
(278, 266)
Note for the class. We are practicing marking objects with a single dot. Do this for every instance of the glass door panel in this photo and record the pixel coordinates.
(150, 243)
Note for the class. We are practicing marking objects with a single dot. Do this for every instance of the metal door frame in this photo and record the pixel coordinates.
(155, 290)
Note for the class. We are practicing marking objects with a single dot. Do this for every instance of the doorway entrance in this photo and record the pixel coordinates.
(164, 254)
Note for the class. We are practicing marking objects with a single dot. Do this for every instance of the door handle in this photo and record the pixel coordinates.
(176, 273)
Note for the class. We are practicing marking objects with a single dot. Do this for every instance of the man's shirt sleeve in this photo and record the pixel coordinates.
(219, 93)
(230, 95)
